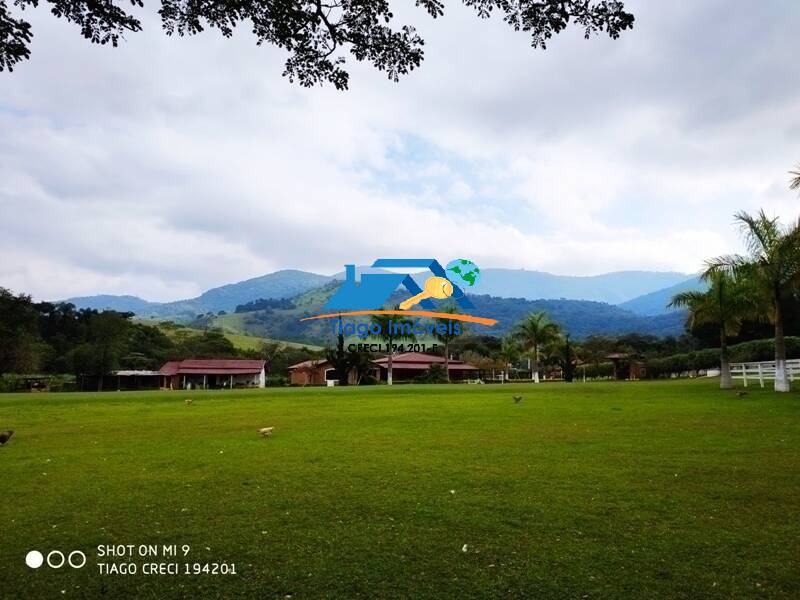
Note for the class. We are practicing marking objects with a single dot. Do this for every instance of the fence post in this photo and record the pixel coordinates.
(744, 373)
(760, 375)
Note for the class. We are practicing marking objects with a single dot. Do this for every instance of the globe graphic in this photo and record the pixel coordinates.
(463, 272)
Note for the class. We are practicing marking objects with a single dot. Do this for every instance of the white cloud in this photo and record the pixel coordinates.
(167, 166)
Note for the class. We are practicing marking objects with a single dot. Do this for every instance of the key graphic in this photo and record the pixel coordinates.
(435, 287)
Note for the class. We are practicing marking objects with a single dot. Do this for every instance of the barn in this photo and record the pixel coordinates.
(213, 374)
(408, 366)
(317, 372)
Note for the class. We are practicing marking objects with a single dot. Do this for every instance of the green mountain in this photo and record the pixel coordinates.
(281, 284)
(578, 317)
(655, 303)
(612, 288)
(132, 304)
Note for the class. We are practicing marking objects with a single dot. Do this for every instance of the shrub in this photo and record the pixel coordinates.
(368, 380)
(599, 371)
(757, 350)
(434, 374)
(277, 381)
(7, 384)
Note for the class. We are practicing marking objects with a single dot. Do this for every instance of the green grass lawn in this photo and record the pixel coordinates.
(603, 490)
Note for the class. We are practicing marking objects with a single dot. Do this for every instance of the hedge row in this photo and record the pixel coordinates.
(757, 350)
(11, 382)
(600, 371)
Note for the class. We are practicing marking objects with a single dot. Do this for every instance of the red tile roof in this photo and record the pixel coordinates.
(212, 367)
(170, 368)
(413, 357)
(421, 362)
(309, 363)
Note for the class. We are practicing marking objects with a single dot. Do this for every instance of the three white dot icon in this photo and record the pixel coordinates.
(55, 559)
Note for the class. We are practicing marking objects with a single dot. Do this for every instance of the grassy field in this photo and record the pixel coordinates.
(604, 490)
(240, 340)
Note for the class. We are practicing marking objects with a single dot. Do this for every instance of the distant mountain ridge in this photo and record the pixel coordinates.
(655, 303)
(280, 284)
(309, 291)
(610, 288)
(580, 318)
(132, 304)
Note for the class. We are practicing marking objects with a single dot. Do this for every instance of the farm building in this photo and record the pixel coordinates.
(625, 367)
(407, 366)
(187, 374)
(213, 373)
(410, 365)
(136, 380)
(318, 372)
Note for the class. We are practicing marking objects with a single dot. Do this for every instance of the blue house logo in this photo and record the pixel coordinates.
(374, 289)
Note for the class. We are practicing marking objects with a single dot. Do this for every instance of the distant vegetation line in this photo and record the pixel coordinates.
(611, 288)
(579, 318)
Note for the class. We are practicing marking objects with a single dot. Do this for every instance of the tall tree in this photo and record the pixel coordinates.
(105, 343)
(726, 304)
(772, 263)
(315, 33)
(509, 353)
(20, 347)
(444, 333)
(361, 364)
(794, 183)
(568, 360)
(339, 359)
(595, 347)
(533, 333)
(393, 329)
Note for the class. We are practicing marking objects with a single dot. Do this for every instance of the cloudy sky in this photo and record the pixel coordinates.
(168, 166)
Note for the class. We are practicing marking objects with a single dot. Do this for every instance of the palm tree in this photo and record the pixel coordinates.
(726, 303)
(339, 358)
(393, 328)
(772, 263)
(509, 353)
(568, 360)
(794, 183)
(534, 332)
(445, 335)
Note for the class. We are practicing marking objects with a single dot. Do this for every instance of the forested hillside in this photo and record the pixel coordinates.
(580, 318)
(58, 338)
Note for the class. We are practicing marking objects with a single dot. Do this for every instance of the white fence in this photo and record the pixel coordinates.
(761, 371)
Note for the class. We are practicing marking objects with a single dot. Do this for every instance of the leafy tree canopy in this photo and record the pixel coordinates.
(317, 34)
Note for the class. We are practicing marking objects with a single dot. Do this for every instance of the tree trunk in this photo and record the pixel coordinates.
(389, 367)
(725, 382)
(447, 360)
(781, 376)
(536, 363)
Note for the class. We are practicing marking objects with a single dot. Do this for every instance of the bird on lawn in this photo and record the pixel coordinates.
(5, 436)
(266, 431)
(188, 402)
(517, 399)
(741, 393)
